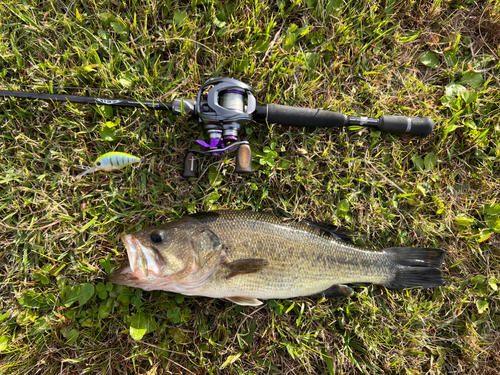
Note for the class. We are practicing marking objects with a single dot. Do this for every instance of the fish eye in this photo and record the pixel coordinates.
(98, 163)
(156, 237)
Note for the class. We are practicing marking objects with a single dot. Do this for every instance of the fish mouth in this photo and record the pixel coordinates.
(144, 261)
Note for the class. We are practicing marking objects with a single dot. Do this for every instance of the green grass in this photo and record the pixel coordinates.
(60, 237)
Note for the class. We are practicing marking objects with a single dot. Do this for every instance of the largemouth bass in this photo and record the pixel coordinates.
(244, 256)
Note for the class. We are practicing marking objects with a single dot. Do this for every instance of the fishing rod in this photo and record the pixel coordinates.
(224, 105)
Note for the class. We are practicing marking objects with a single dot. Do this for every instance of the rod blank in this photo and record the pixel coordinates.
(86, 100)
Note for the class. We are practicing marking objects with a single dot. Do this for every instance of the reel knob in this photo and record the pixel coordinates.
(244, 159)
(190, 166)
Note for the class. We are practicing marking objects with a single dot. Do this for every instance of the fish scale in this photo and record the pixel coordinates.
(301, 262)
(244, 256)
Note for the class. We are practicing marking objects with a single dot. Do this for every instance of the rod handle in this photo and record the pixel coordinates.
(244, 159)
(190, 166)
(304, 117)
(421, 126)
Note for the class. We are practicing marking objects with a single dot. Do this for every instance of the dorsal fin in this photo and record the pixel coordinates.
(330, 230)
(315, 227)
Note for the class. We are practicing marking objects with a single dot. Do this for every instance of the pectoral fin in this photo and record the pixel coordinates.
(337, 291)
(245, 301)
(243, 266)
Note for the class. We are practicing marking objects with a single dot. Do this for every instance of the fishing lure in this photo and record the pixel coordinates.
(111, 161)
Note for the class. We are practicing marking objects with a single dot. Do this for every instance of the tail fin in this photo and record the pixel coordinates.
(416, 267)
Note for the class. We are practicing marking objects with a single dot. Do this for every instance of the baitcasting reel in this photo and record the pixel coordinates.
(223, 105)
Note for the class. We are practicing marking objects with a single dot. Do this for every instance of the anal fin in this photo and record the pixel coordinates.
(245, 301)
(337, 291)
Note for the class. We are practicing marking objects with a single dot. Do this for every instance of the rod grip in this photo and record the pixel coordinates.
(190, 166)
(421, 126)
(244, 159)
(304, 117)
